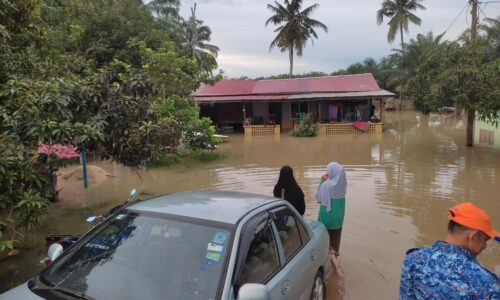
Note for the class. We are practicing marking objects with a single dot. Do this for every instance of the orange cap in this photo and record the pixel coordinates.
(469, 215)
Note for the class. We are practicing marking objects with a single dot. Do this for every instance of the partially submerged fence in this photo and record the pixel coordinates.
(261, 130)
(347, 128)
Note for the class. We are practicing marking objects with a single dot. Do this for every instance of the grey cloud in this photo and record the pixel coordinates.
(238, 29)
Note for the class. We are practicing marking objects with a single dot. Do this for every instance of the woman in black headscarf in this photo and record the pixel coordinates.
(293, 192)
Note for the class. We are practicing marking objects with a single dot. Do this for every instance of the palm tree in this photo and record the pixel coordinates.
(165, 8)
(295, 27)
(195, 36)
(491, 30)
(400, 13)
(415, 50)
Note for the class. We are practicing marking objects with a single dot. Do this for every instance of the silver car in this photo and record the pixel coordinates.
(192, 245)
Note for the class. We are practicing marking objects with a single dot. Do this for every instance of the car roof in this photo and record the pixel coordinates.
(213, 205)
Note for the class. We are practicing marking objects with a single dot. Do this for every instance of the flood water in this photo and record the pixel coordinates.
(399, 188)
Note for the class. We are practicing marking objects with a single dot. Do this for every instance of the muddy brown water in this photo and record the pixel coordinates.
(400, 185)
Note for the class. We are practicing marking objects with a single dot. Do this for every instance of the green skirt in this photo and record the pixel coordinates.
(334, 219)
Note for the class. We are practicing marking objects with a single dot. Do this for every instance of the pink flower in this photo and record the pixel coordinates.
(60, 151)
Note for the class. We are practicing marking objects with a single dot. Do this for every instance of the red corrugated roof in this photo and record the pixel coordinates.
(226, 88)
(326, 84)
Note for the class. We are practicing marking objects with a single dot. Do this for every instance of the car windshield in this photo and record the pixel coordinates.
(135, 256)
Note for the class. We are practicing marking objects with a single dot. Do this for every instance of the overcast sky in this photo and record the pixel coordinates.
(238, 29)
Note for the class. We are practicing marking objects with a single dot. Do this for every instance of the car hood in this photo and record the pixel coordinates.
(20, 292)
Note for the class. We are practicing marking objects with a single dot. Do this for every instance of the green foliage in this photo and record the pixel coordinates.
(32, 206)
(286, 76)
(295, 27)
(117, 74)
(488, 103)
(306, 128)
(400, 14)
(199, 134)
(195, 36)
(454, 74)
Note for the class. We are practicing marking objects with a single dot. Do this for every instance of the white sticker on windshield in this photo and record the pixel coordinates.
(120, 216)
(215, 247)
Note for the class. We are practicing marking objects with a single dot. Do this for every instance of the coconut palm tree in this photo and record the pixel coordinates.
(165, 8)
(195, 36)
(399, 13)
(295, 27)
(491, 30)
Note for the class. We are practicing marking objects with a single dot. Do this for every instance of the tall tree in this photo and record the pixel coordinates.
(196, 35)
(399, 13)
(491, 35)
(295, 27)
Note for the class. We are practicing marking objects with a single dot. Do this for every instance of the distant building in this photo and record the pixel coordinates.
(486, 134)
(329, 99)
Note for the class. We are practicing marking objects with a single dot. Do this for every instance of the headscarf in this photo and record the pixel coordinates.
(293, 192)
(334, 187)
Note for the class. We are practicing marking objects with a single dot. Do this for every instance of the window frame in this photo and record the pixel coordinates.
(262, 217)
(303, 243)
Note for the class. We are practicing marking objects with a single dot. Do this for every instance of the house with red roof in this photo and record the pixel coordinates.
(283, 102)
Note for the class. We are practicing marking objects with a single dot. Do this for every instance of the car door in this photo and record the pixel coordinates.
(258, 258)
(299, 254)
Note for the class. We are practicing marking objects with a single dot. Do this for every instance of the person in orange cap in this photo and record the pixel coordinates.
(449, 269)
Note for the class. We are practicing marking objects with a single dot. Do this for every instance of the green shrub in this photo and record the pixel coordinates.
(306, 128)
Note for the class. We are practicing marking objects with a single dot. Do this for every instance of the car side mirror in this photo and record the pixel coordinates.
(254, 291)
(55, 250)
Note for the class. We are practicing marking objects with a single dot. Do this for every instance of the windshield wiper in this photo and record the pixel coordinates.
(55, 292)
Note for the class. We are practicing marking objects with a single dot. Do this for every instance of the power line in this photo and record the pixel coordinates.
(488, 2)
(481, 10)
(466, 13)
(456, 18)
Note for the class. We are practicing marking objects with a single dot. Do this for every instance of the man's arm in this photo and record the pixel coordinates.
(406, 290)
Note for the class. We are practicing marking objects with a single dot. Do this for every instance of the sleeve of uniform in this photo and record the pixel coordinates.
(406, 290)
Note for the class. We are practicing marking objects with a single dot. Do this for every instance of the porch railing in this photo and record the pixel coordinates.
(347, 128)
(262, 130)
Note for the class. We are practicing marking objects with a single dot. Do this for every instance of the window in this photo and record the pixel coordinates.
(153, 258)
(486, 137)
(298, 108)
(291, 232)
(262, 259)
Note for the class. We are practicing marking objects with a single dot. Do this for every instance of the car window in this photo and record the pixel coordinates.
(262, 259)
(132, 256)
(288, 230)
(304, 236)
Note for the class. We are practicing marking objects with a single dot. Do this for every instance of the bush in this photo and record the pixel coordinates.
(307, 128)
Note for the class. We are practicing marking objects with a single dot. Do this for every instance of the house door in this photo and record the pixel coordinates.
(275, 111)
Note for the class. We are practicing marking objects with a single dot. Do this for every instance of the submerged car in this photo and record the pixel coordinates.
(192, 245)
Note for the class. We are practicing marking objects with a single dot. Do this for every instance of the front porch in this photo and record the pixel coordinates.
(323, 129)
(333, 116)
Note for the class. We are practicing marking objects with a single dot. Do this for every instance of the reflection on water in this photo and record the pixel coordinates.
(399, 188)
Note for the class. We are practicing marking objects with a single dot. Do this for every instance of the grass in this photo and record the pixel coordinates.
(187, 158)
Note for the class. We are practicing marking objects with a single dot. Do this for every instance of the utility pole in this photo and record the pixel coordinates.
(471, 114)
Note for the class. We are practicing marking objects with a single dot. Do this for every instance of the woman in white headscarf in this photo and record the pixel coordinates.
(331, 196)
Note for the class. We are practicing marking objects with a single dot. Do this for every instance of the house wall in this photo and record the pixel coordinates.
(486, 135)
(260, 109)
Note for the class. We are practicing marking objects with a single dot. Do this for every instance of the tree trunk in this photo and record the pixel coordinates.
(402, 52)
(402, 39)
(471, 116)
(290, 54)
